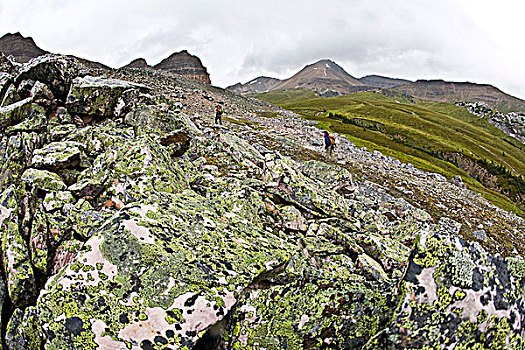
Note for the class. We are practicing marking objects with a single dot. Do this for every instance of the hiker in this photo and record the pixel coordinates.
(329, 143)
(218, 114)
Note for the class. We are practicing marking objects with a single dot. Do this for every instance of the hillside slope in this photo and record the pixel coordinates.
(436, 137)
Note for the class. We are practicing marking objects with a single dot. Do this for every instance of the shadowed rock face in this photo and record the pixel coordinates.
(22, 49)
(187, 65)
(124, 224)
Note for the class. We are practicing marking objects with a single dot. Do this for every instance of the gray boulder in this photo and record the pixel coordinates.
(55, 71)
(98, 96)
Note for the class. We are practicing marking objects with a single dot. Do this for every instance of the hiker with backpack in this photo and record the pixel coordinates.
(329, 143)
(218, 114)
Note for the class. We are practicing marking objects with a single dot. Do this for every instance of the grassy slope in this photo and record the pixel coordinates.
(418, 133)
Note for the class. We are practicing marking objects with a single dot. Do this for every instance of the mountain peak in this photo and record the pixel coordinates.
(322, 76)
(138, 63)
(21, 48)
(185, 64)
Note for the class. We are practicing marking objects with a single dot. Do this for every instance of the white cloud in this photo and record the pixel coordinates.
(474, 40)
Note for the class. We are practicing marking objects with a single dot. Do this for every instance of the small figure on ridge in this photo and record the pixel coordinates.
(218, 114)
(329, 143)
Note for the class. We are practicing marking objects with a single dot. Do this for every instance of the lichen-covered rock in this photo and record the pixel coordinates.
(21, 285)
(56, 200)
(54, 71)
(59, 132)
(15, 155)
(174, 266)
(155, 119)
(339, 179)
(57, 155)
(24, 331)
(370, 268)
(10, 96)
(6, 80)
(86, 221)
(98, 96)
(392, 254)
(292, 219)
(6, 65)
(40, 92)
(287, 182)
(456, 295)
(65, 253)
(16, 112)
(341, 311)
(43, 179)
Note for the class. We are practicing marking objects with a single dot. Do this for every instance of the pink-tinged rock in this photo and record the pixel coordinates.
(38, 243)
(292, 219)
(64, 254)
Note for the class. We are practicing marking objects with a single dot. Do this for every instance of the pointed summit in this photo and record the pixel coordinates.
(22, 49)
(323, 75)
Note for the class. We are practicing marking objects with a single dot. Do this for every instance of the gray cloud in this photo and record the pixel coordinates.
(239, 40)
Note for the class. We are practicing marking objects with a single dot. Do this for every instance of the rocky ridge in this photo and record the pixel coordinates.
(21, 48)
(378, 81)
(256, 86)
(181, 63)
(129, 220)
(512, 124)
(444, 91)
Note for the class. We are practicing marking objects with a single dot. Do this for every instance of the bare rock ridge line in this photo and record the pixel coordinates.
(23, 49)
(129, 220)
(182, 63)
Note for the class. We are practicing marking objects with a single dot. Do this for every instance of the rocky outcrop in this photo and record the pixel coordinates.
(21, 48)
(189, 66)
(138, 63)
(512, 124)
(125, 224)
(382, 82)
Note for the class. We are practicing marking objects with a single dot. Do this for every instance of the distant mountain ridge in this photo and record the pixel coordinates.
(258, 85)
(382, 82)
(444, 91)
(325, 77)
(328, 79)
(22, 49)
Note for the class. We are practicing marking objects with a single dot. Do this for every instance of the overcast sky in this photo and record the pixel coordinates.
(480, 41)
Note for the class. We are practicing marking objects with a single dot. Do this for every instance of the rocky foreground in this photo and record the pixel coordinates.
(128, 221)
